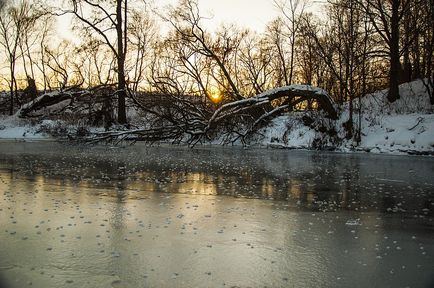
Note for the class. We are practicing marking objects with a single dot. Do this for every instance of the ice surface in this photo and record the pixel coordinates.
(159, 217)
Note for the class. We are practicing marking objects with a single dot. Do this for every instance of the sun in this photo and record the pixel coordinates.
(215, 95)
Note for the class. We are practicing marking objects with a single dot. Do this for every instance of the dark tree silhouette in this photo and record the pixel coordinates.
(102, 24)
(386, 17)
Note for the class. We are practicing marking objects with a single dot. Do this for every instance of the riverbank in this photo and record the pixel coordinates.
(14, 128)
(403, 127)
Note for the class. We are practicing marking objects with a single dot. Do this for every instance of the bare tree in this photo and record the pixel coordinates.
(309, 61)
(275, 35)
(293, 11)
(430, 49)
(142, 34)
(255, 59)
(105, 20)
(27, 41)
(95, 63)
(423, 47)
(387, 17)
(58, 61)
(44, 30)
(13, 19)
(186, 20)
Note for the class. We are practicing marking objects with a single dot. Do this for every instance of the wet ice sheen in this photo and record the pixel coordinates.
(212, 217)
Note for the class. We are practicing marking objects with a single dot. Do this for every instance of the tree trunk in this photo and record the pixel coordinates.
(11, 107)
(349, 74)
(431, 50)
(395, 64)
(408, 33)
(44, 74)
(282, 60)
(291, 61)
(29, 55)
(122, 116)
(12, 88)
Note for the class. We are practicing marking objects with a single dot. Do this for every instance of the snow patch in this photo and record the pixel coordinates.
(403, 127)
(13, 128)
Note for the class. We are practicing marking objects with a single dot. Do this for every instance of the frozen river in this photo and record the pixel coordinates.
(213, 217)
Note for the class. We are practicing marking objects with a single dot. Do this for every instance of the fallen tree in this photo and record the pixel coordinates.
(294, 95)
(43, 102)
(183, 119)
(94, 105)
(176, 118)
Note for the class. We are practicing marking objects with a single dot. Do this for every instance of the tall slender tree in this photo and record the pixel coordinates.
(14, 17)
(143, 33)
(387, 17)
(293, 11)
(186, 21)
(104, 19)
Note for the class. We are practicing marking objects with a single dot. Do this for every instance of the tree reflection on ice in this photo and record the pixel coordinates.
(145, 216)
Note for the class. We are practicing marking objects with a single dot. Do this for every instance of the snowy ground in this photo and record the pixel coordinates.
(404, 127)
(14, 128)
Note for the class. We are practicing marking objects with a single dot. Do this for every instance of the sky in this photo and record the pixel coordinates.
(254, 14)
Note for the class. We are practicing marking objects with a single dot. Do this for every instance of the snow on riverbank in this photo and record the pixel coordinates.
(407, 125)
(403, 127)
(14, 128)
(410, 133)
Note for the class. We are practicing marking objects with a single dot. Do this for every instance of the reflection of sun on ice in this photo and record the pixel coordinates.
(215, 95)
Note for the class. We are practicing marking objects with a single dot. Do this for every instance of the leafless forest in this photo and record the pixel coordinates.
(189, 80)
